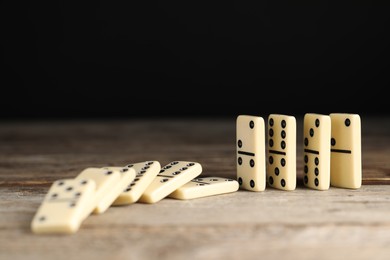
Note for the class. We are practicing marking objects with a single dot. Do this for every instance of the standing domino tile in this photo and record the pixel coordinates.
(316, 133)
(63, 208)
(345, 158)
(105, 181)
(127, 176)
(281, 164)
(203, 187)
(250, 140)
(145, 174)
(171, 177)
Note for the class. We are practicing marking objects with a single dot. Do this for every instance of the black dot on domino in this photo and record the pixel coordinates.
(109, 173)
(282, 182)
(306, 158)
(347, 122)
(311, 132)
(271, 160)
(316, 182)
(333, 142)
(306, 179)
(306, 142)
(252, 163)
(306, 169)
(164, 180)
(316, 171)
(283, 134)
(239, 143)
(251, 124)
(271, 132)
(277, 171)
(252, 183)
(283, 162)
(271, 180)
(271, 122)
(283, 144)
(239, 160)
(316, 161)
(42, 218)
(317, 122)
(283, 123)
(240, 180)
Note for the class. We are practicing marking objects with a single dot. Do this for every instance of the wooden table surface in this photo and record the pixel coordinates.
(299, 224)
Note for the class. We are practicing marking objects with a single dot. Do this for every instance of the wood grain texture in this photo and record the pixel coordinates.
(299, 224)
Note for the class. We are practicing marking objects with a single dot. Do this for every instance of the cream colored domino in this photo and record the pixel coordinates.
(316, 151)
(204, 187)
(281, 163)
(63, 208)
(145, 174)
(171, 177)
(345, 158)
(250, 141)
(127, 176)
(105, 181)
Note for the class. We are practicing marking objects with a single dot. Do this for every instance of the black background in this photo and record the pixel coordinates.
(110, 60)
